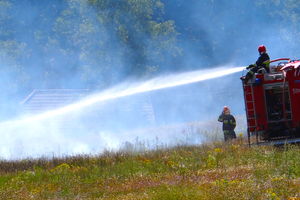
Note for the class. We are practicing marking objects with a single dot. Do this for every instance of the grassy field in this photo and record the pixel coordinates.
(212, 171)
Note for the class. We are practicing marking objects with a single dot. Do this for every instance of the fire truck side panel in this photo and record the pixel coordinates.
(294, 85)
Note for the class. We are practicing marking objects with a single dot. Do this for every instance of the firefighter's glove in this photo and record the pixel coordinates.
(250, 66)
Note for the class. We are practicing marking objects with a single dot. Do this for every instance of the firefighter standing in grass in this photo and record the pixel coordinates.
(262, 62)
(228, 124)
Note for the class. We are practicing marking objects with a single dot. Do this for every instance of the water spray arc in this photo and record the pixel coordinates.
(41, 134)
(151, 85)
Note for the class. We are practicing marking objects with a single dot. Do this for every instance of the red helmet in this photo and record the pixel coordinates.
(262, 48)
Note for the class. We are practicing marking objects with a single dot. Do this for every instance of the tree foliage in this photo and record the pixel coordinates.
(80, 43)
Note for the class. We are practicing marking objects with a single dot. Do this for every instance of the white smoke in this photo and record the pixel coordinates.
(67, 131)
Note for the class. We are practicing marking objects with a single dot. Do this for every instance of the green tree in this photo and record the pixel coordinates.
(114, 39)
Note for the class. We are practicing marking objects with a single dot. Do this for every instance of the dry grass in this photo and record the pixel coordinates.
(214, 171)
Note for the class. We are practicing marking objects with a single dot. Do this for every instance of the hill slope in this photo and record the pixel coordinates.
(215, 171)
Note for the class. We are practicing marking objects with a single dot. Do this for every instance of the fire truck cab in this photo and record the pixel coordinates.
(272, 102)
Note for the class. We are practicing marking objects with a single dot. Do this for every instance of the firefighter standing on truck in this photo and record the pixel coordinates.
(262, 63)
(229, 124)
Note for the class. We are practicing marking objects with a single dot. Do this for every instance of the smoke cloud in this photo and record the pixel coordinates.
(117, 118)
(58, 44)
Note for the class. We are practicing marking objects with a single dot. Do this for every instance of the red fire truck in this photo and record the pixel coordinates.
(272, 102)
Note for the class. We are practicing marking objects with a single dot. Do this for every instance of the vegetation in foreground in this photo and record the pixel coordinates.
(215, 171)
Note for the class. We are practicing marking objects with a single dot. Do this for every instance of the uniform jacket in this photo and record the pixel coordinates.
(228, 122)
(262, 61)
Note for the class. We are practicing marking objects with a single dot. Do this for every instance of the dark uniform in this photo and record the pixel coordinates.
(262, 62)
(228, 126)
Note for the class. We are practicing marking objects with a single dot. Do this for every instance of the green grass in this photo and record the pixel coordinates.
(214, 171)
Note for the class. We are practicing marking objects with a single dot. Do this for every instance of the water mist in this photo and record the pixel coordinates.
(74, 129)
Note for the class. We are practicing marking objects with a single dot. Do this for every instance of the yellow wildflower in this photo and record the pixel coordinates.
(218, 150)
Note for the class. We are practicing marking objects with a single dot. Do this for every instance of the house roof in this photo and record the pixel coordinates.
(47, 99)
(39, 101)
